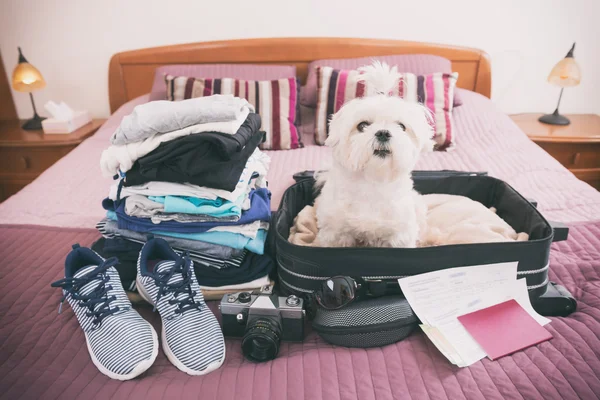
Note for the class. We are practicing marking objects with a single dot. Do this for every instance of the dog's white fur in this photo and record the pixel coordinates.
(367, 197)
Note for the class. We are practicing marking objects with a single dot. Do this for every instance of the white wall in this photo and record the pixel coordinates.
(71, 41)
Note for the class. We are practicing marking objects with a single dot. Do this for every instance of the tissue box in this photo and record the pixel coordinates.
(54, 126)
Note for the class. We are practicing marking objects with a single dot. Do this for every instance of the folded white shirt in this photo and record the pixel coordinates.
(122, 157)
(248, 230)
(257, 283)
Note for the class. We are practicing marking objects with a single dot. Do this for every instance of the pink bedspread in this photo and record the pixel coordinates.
(69, 193)
(43, 355)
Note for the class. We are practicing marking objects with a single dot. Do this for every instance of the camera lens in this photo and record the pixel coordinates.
(261, 340)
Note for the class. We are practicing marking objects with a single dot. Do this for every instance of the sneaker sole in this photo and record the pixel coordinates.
(210, 368)
(139, 369)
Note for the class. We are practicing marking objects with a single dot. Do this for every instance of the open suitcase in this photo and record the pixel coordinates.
(302, 269)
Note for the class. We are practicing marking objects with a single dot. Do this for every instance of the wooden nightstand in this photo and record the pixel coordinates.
(576, 146)
(26, 154)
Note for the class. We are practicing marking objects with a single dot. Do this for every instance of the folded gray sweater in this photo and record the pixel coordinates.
(158, 117)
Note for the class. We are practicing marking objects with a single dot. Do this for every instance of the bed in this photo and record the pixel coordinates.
(43, 355)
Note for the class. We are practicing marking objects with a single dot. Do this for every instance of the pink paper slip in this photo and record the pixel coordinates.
(504, 328)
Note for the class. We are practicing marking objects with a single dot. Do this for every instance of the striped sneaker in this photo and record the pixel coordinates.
(121, 343)
(191, 336)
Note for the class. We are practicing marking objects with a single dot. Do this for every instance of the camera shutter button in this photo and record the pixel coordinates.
(292, 301)
(244, 297)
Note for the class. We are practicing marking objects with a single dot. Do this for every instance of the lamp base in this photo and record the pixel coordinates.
(554, 119)
(34, 124)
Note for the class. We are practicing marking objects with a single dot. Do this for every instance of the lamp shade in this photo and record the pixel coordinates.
(566, 72)
(26, 77)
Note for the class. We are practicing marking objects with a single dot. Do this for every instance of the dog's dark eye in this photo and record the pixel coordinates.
(361, 127)
(402, 126)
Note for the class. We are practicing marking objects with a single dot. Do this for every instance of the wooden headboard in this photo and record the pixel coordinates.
(131, 73)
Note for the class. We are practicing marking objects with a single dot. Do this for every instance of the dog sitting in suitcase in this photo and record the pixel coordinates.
(367, 197)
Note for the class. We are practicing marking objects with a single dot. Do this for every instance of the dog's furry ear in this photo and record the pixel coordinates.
(379, 78)
(422, 126)
(332, 138)
(429, 131)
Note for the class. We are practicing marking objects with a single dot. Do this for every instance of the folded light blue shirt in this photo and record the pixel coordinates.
(230, 239)
(195, 205)
(235, 240)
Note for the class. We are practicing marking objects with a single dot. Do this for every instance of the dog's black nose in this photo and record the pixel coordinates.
(383, 135)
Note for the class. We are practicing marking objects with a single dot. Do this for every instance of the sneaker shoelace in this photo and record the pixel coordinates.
(181, 290)
(97, 301)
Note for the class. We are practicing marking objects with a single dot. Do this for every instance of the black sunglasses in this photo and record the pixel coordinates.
(339, 291)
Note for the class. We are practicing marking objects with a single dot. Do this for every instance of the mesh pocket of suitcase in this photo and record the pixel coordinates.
(301, 269)
(368, 323)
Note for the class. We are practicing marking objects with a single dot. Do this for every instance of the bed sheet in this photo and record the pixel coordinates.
(43, 355)
(69, 193)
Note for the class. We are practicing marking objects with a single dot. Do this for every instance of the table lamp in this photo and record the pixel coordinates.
(26, 78)
(564, 74)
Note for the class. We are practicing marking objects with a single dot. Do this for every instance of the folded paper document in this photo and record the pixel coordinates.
(439, 298)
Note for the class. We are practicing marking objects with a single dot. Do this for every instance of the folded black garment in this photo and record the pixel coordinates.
(253, 266)
(196, 160)
(227, 145)
(127, 252)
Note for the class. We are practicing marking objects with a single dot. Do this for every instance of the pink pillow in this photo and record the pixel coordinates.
(435, 91)
(239, 71)
(275, 101)
(418, 64)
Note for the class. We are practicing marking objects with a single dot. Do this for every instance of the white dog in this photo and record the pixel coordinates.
(367, 197)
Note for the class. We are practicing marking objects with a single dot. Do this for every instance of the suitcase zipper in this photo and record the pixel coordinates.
(445, 174)
(304, 175)
(322, 278)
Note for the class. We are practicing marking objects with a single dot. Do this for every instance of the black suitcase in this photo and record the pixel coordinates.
(301, 269)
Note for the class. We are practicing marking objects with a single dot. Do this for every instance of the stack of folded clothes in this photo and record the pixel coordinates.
(191, 173)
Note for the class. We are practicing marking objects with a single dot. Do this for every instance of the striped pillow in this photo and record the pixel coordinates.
(435, 91)
(275, 101)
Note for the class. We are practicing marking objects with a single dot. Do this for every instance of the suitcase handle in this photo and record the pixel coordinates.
(561, 231)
